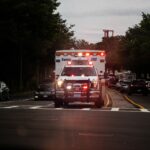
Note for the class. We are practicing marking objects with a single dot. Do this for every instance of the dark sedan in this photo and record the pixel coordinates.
(138, 86)
(45, 91)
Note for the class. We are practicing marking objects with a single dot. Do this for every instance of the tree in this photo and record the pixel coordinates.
(29, 29)
(137, 46)
(112, 46)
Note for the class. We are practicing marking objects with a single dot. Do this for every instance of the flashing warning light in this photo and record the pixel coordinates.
(87, 54)
(90, 63)
(102, 53)
(69, 62)
(85, 87)
(72, 75)
(69, 87)
(82, 75)
(79, 54)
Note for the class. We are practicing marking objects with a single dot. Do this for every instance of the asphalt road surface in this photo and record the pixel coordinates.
(119, 125)
(69, 129)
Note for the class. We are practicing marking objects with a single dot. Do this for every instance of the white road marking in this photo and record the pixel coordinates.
(115, 109)
(35, 107)
(144, 110)
(59, 108)
(86, 109)
(11, 107)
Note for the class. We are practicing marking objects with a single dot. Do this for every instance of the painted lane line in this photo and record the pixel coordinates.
(134, 103)
(59, 108)
(86, 109)
(144, 110)
(115, 109)
(11, 107)
(35, 107)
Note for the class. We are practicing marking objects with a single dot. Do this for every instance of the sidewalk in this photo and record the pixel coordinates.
(116, 98)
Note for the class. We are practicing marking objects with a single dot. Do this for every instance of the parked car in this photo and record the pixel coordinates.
(138, 86)
(111, 81)
(4, 91)
(123, 85)
(148, 84)
(45, 91)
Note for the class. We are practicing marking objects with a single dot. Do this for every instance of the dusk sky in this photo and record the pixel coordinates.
(90, 17)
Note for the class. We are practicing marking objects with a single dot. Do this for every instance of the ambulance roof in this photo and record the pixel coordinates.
(79, 50)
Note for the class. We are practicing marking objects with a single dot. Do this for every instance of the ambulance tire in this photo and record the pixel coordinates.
(99, 103)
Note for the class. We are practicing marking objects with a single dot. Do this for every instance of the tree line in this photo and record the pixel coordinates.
(30, 32)
(129, 52)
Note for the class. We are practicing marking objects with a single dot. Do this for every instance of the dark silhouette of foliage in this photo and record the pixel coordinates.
(30, 32)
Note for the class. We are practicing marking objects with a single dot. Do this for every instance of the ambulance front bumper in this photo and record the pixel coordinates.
(78, 96)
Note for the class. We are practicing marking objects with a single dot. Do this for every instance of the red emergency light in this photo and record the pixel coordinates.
(80, 54)
(102, 54)
(85, 87)
(87, 54)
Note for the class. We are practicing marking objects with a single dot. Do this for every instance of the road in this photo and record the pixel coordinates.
(29, 124)
(74, 129)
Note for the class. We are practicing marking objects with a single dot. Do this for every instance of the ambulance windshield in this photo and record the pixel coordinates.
(78, 71)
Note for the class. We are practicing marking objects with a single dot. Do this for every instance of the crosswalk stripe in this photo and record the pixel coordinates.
(144, 110)
(35, 107)
(86, 109)
(11, 107)
(47, 107)
(114, 109)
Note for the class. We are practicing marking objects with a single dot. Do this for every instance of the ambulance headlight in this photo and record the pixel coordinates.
(94, 83)
(60, 83)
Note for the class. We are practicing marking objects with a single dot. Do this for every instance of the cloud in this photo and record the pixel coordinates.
(105, 13)
(102, 14)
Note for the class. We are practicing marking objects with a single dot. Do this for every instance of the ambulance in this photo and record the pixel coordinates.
(77, 76)
(80, 57)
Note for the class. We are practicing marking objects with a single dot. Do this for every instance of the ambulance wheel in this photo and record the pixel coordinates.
(99, 103)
